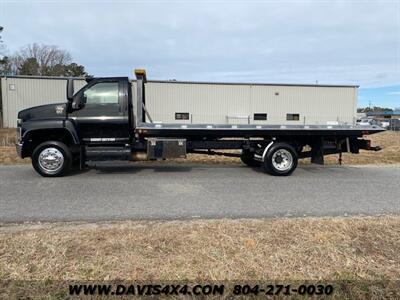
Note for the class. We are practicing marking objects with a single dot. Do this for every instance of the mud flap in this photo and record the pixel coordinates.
(317, 152)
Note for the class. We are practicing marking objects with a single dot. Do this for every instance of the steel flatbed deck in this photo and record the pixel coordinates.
(244, 130)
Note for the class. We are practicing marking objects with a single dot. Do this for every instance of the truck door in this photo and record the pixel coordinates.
(103, 117)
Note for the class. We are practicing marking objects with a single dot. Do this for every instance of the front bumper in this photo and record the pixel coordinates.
(19, 149)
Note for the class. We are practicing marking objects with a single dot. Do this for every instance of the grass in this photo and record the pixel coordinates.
(8, 155)
(388, 140)
(363, 250)
(7, 137)
(390, 154)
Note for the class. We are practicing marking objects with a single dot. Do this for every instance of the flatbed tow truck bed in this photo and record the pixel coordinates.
(223, 130)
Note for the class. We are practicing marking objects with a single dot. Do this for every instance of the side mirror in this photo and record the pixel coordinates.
(70, 89)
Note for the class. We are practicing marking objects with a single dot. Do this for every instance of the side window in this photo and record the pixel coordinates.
(292, 117)
(102, 93)
(181, 116)
(260, 117)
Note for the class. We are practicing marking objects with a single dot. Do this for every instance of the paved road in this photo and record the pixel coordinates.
(158, 191)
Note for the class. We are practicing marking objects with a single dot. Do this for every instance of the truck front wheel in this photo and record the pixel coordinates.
(280, 160)
(52, 159)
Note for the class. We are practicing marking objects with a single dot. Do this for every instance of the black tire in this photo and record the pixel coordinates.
(247, 158)
(60, 169)
(272, 163)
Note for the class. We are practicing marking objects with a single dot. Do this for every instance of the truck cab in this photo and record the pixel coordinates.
(98, 114)
(100, 111)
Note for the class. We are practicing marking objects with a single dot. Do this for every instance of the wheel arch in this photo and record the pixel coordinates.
(32, 137)
(296, 142)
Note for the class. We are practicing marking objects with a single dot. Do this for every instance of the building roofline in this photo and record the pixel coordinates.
(252, 83)
(193, 82)
(42, 77)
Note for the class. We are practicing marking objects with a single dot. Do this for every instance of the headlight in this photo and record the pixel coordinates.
(18, 134)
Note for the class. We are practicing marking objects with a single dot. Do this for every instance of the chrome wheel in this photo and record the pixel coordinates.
(51, 160)
(282, 160)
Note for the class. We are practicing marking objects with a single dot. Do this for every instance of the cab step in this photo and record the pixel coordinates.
(107, 153)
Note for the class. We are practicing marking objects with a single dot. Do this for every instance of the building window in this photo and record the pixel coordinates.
(260, 117)
(292, 117)
(181, 116)
(276, 93)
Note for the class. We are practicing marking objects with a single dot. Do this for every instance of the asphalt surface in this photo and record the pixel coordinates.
(146, 191)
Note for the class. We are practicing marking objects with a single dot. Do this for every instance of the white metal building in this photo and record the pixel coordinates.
(20, 92)
(227, 103)
(200, 102)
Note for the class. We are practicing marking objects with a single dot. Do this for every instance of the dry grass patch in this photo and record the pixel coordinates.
(390, 153)
(8, 137)
(310, 248)
(8, 155)
(360, 249)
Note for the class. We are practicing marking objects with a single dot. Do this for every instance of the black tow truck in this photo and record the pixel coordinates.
(102, 122)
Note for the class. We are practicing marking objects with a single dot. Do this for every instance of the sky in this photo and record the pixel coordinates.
(324, 41)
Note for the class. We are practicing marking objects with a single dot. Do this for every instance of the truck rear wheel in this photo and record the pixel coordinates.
(52, 159)
(280, 160)
(247, 158)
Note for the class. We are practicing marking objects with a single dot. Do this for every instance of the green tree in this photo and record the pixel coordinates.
(5, 64)
(2, 47)
(45, 60)
(373, 109)
(75, 70)
(70, 70)
(29, 66)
